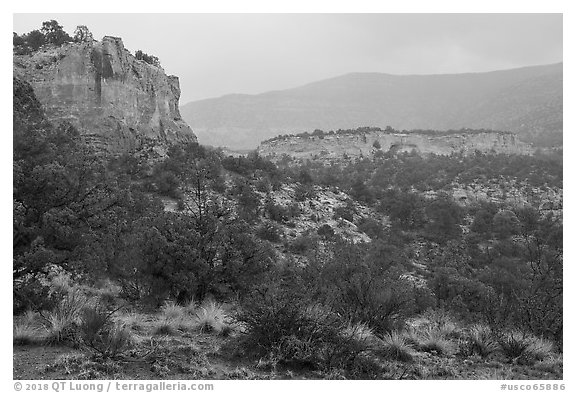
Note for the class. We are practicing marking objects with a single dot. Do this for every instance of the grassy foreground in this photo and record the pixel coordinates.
(82, 339)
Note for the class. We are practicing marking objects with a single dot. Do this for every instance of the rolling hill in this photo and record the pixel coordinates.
(526, 101)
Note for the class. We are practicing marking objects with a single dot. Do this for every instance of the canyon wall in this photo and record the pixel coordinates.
(116, 101)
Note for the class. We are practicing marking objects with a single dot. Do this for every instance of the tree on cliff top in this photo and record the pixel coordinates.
(82, 34)
(50, 33)
(54, 33)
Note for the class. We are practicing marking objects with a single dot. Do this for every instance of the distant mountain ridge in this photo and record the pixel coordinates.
(526, 101)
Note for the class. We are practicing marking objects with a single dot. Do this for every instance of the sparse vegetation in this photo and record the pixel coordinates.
(372, 268)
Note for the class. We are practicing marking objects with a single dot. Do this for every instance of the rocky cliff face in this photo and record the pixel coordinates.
(365, 144)
(115, 100)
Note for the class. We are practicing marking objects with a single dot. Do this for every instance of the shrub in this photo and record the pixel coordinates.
(345, 213)
(325, 231)
(263, 185)
(371, 227)
(281, 325)
(302, 192)
(267, 317)
(302, 244)
(31, 292)
(361, 285)
(294, 210)
(166, 183)
(269, 231)
(276, 212)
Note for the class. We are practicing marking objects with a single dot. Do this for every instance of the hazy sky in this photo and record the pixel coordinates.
(217, 54)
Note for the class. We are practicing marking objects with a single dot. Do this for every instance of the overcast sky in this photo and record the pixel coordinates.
(217, 54)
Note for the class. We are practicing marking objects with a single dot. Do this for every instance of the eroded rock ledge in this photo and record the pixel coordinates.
(352, 145)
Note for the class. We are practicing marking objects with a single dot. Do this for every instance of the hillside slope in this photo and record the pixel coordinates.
(527, 101)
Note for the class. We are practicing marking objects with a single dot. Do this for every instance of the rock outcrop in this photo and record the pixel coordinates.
(116, 101)
(336, 146)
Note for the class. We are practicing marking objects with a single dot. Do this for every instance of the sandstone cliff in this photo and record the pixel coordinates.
(116, 101)
(364, 144)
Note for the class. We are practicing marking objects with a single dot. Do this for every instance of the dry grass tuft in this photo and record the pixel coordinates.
(62, 321)
(396, 346)
(524, 348)
(25, 334)
(514, 344)
(539, 349)
(171, 310)
(552, 364)
(210, 317)
(132, 320)
(360, 332)
(433, 340)
(165, 327)
(191, 307)
(480, 341)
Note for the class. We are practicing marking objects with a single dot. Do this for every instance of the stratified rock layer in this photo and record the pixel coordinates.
(115, 100)
(365, 144)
